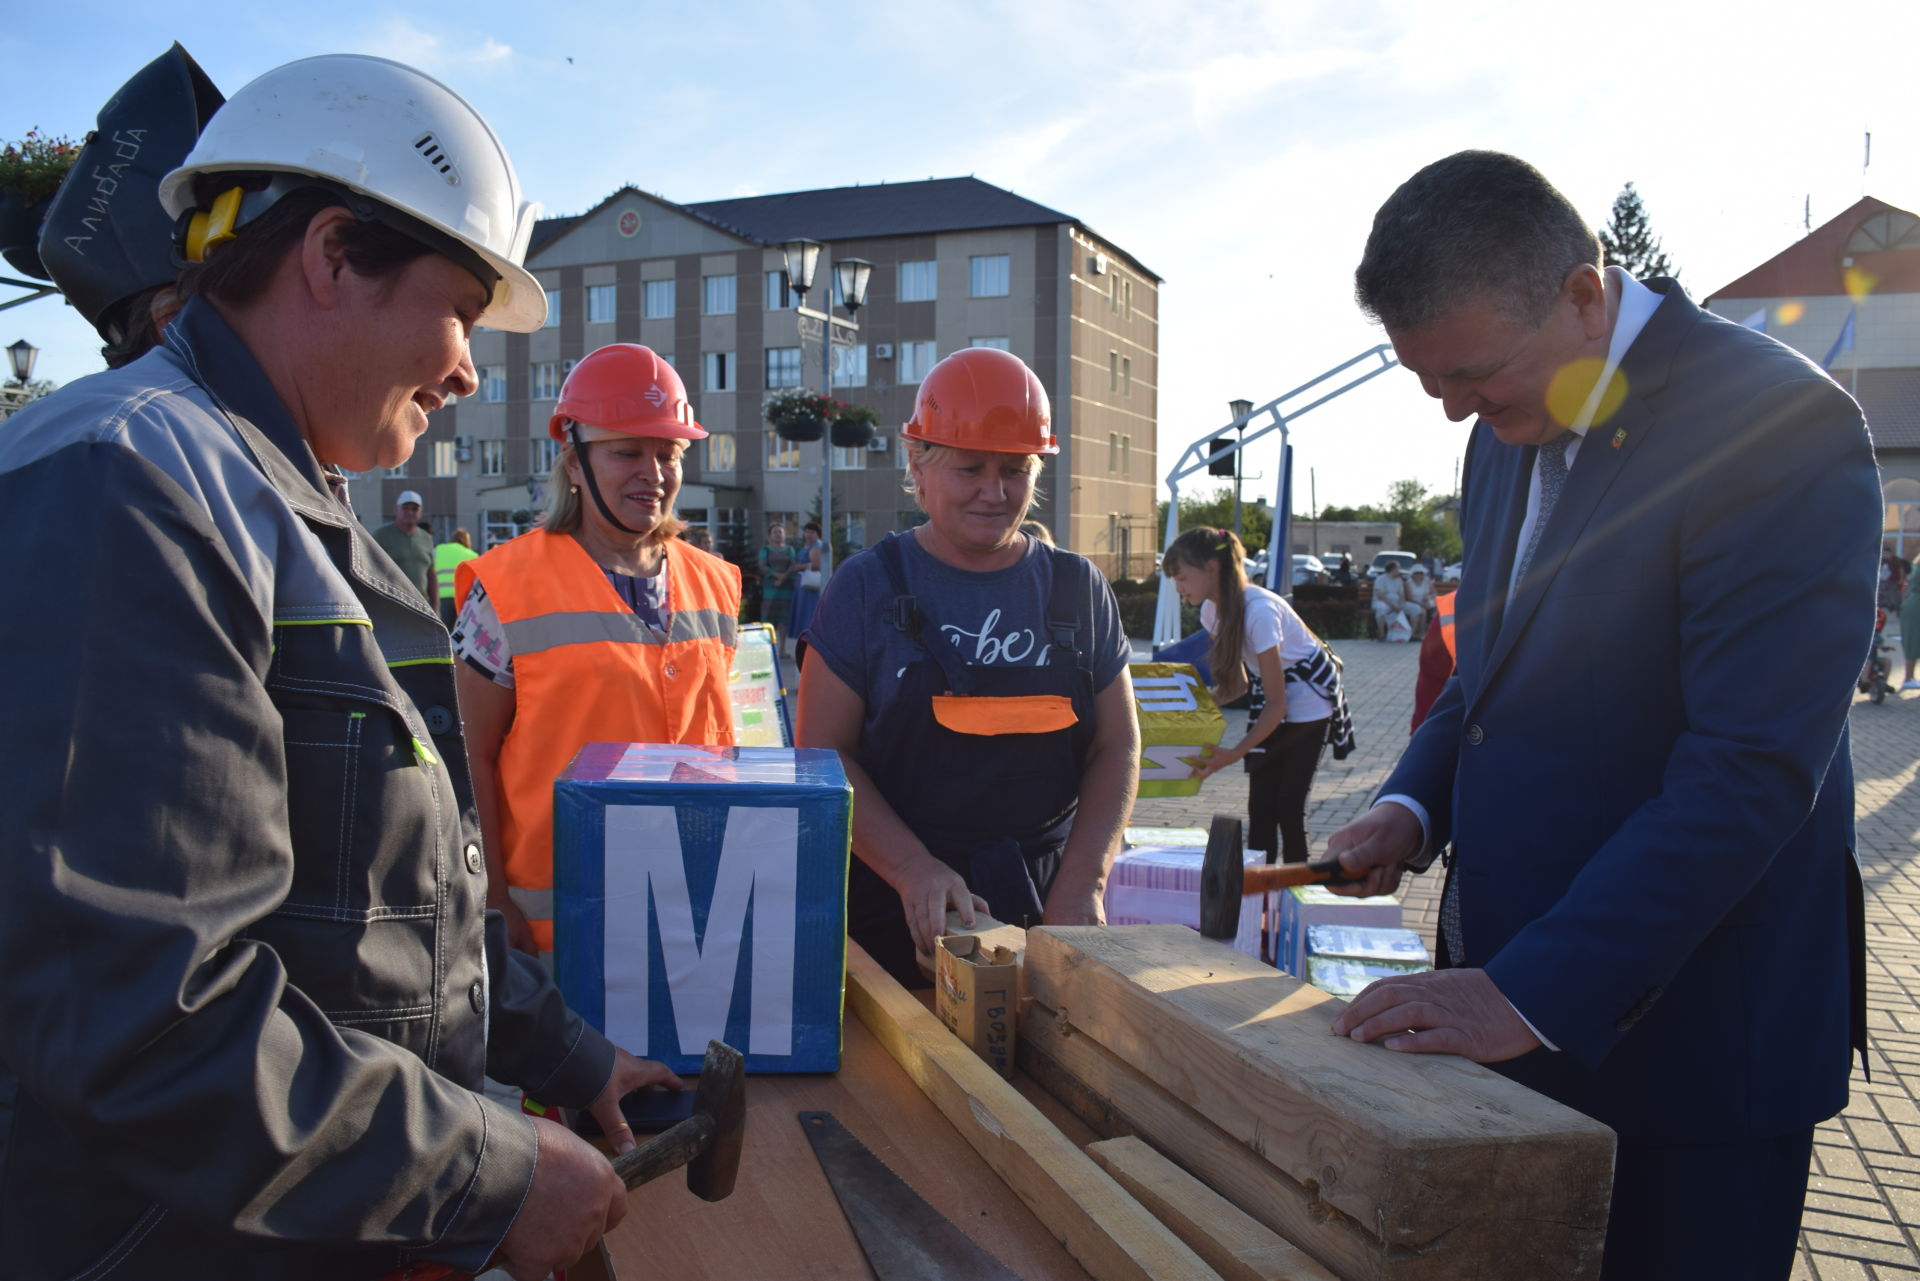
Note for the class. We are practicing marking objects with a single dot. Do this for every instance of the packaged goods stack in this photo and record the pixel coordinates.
(1305, 906)
(1342, 959)
(1155, 880)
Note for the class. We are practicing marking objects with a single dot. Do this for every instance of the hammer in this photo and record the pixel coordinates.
(707, 1143)
(1225, 878)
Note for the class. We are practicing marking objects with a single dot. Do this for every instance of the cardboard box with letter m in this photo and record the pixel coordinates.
(700, 893)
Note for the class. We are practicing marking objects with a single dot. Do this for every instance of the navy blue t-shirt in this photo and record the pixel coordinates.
(999, 617)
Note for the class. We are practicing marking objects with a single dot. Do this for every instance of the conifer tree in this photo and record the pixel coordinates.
(1629, 242)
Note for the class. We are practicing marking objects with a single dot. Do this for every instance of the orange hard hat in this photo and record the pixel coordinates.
(983, 398)
(627, 388)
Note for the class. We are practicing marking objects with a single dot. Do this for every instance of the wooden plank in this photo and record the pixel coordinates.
(1420, 1149)
(1238, 1246)
(782, 1219)
(1111, 1235)
(1114, 1100)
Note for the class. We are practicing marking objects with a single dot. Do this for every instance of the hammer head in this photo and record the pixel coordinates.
(1222, 879)
(722, 1096)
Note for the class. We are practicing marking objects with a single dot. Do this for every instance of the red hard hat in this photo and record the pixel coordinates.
(625, 387)
(983, 398)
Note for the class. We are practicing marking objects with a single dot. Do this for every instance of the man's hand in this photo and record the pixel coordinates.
(1375, 846)
(576, 1199)
(926, 893)
(629, 1074)
(1439, 1012)
(1071, 905)
(519, 933)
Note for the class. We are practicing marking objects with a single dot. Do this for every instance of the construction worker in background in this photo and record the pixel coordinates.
(407, 539)
(106, 241)
(599, 626)
(251, 985)
(975, 685)
(447, 557)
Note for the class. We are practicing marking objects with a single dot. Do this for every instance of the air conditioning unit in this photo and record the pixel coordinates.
(1099, 264)
(878, 445)
(883, 351)
(463, 449)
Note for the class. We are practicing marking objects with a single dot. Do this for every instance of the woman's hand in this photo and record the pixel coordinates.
(926, 892)
(629, 1074)
(1210, 762)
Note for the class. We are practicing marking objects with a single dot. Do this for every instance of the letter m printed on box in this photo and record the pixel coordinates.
(646, 876)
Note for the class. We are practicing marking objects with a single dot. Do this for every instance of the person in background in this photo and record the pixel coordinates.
(974, 681)
(1436, 658)
(599, 626)
(1642, 764)
(108, 245)
(1894, 573)
(1341, 575)
(779, 566)
(1035, 529)
(1910, 631)
(252, 986)
(1297, 703)
(806, 589)
(448, 557)
(410, 546)
(1419, 598)
(1390, 601)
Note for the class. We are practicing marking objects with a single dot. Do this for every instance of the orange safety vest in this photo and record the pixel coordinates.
(586, 670)
(1443, 614)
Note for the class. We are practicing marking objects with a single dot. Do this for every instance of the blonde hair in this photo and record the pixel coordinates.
(927, 454)
(565, 506)
(1197, 548)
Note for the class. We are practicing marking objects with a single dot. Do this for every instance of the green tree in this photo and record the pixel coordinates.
(1423, 531)
(1628, 240)
(1216, 509)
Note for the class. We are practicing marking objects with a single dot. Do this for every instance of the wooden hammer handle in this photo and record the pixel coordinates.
(1261, 877)
(666, 1152)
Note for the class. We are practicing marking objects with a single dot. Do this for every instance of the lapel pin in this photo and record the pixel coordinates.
(1619, 437)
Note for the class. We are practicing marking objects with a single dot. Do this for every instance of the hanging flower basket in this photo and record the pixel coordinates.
(854, 427)
(31, 171)
(20, 234)
(800, 415)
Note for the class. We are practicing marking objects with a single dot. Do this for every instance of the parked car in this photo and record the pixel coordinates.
(1308, 569)
(1378, 566)
(1256, 567)
(1451, 573)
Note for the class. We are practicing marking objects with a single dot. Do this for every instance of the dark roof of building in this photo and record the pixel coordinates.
(1812, 267)
(1890, 399)
(854, 213)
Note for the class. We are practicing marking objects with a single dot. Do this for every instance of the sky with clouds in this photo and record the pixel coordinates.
(1238, 150)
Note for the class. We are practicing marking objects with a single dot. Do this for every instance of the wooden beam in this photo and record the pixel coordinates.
(1109, 1232)
(1238, 1246)
(1115, 1100)
(1421, 1149)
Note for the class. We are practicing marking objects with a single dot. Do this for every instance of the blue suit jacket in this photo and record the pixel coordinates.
(1642, 761)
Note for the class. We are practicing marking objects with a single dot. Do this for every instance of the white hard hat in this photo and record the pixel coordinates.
(386, 131)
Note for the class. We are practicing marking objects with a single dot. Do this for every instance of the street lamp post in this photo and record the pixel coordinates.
(21, 356)
(852, 275)
(1239, 409)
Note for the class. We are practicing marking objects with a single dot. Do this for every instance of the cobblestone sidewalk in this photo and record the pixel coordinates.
(1863, 1201)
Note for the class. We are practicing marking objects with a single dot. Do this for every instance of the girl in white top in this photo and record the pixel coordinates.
(1256, 638)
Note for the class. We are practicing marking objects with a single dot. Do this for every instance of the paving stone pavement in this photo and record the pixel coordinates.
(1863, 1199)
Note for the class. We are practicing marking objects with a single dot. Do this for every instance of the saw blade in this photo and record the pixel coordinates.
(904, 1238)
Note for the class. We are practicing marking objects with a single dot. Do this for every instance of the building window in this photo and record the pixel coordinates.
(998, 344)
(722, 452)
(545, 380)
(853, 527)
(493, 383)
(849, 366)
(601, 300)
(493, 458)
(396, 473)
(545, 450)
(553, 310)
(1126, 375)
(658, 301)
(717, 369)
(719, 297)
(848, 458)
(1113, 451)
(783, 367)
(779, 296)
(919, 281)
(991, 276)
(1126, 454)
(782, 454)
(1113, 372)
(1113, 292)
(916, 358)
(445, 461)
